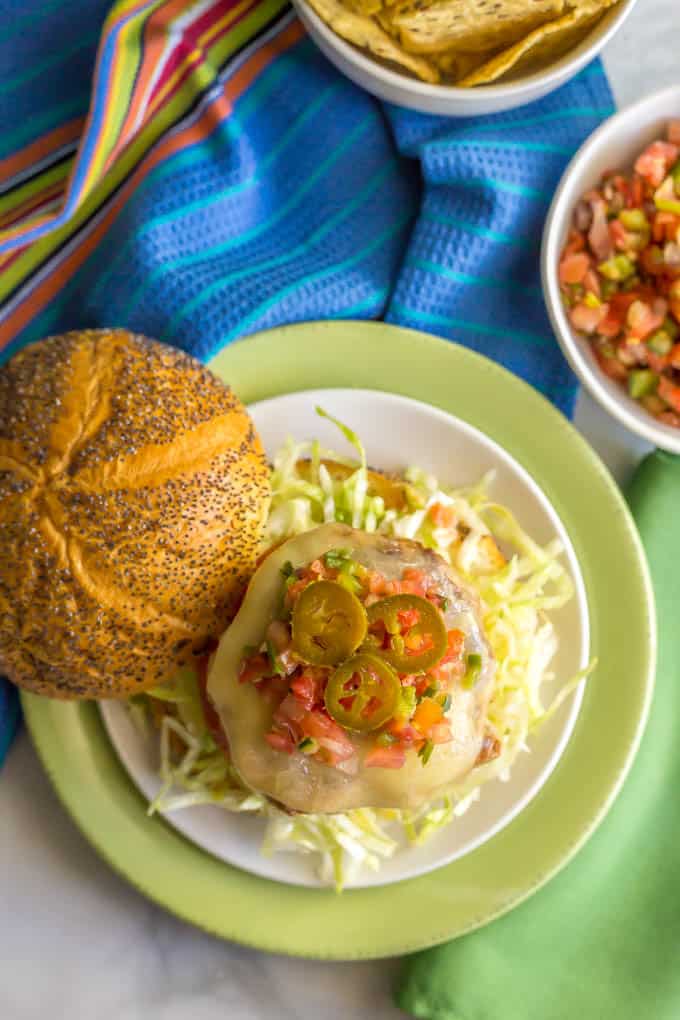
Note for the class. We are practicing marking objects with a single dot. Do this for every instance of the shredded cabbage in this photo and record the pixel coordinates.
(516, 592)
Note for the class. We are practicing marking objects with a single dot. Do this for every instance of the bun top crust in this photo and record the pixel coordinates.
(133, 494)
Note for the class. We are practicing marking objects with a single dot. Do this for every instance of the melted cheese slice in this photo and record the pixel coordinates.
(295, 780)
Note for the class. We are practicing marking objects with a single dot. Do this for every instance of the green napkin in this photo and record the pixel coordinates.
(602, 940)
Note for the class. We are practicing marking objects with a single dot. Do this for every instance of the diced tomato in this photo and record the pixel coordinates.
(280, 742)
(587, 319)
(591, 283)
(661, 224)
(408, 618)
(308, 687)
(455, 639)
(655, 162)
(290, 710)
(674, 356)
(572, 269)
(620, 303)
(376, 582)
(413, 582)
(318, 724)
(665, 226)
(643, 319)
(619, 235)
(443, 516)
(304, 690)
(617, 309)
(403, 731)
(254, 668)
(440, 733)
(673, 132)
(421, 683)
(413, 574)
(611, 325)
(669, 392)
(672, 228)
(392, 757)
(657, 362)
(636, 193)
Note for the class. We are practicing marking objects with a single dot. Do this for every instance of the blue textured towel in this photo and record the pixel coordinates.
(300, 198)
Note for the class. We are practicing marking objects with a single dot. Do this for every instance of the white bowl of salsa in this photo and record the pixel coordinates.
(615, 146)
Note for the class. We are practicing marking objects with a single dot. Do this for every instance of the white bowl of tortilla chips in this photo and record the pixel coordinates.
(461, 57)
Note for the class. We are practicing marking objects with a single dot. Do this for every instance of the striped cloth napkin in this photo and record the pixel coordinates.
(198, 171)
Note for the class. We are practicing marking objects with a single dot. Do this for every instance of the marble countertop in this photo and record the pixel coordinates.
(78, 942)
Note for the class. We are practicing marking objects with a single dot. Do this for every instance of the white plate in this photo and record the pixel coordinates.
(396, 432)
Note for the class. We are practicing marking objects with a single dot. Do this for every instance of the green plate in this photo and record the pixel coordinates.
(413, 914)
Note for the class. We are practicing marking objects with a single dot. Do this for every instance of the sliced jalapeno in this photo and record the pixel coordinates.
(329, 623)
(363, 693)
(412, 637)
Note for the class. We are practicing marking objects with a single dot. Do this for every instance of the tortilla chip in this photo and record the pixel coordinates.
(364, 32)
(383, 19)
(367, 7)
(474, 26)
(542, 46)
(455, 65)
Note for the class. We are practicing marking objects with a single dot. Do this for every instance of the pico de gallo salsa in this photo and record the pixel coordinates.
(620, 276)
(352, 652)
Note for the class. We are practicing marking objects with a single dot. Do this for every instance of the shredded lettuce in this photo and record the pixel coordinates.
(517, 589)
(192, 769)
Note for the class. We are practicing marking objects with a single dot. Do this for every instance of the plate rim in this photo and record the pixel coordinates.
(38, 714)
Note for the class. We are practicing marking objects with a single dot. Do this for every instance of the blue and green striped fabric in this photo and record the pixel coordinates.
(228, 179)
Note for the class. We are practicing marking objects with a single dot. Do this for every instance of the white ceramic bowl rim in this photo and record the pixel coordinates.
(640, 115)
(548, 77)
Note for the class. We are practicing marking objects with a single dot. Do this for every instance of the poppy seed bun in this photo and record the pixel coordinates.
(133, 494)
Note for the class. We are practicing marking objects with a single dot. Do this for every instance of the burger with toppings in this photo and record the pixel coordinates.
(348, 654)
(356, 674)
